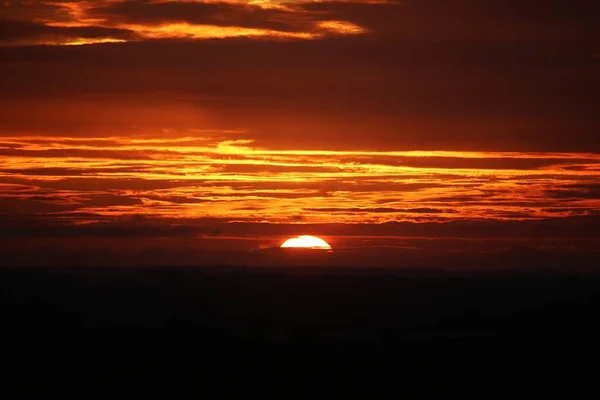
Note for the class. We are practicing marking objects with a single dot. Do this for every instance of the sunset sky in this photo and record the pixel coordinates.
(431, 133)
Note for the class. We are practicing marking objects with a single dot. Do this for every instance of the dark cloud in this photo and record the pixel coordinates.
(15, 31)
(220, 14)
(380, 210)
(575, 192)
(249, 168)
(576, 227)
(43, 204)
(457, 245)
(586, 167)
(34, 206)
(57, 171)
(96, 184)
(477, 163)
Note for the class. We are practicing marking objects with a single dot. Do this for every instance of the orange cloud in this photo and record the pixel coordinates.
(191, 177)
(165, 19)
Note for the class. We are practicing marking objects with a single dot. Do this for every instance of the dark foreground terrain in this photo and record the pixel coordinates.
(293, 329)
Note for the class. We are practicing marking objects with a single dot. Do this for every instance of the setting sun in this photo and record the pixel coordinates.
(306, 242)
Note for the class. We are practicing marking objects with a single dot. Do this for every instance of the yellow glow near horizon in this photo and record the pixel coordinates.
(306, 242)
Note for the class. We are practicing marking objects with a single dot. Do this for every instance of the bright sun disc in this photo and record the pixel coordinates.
(306, 242)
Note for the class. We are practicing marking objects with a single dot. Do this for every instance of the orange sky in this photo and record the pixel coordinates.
(420, 127)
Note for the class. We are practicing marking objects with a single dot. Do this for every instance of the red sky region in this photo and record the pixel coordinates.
(419, 133)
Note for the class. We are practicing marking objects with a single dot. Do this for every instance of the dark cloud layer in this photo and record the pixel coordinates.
(219, 14)
(16, 29)
(490, 245)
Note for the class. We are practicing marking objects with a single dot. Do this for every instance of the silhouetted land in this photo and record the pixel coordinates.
(276, 329)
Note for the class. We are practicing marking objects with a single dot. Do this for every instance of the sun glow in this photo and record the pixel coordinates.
(306, 242)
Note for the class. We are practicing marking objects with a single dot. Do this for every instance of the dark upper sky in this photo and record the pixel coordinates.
(116, 115)
(421, 74)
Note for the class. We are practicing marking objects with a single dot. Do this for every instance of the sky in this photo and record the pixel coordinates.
(418, 133)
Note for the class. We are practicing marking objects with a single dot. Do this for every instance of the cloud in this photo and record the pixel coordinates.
(577, 191)
(235, 180)
(567, 243)
(16, 32)
(82, 153)
(559, 229)
(218, 14)
(385, 210)
(89, 22)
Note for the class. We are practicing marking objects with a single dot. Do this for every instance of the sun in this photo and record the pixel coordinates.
(306, 242)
